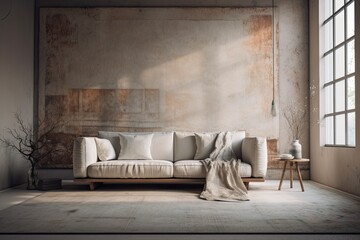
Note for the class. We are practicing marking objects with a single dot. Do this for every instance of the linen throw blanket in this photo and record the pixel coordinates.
(223, 180)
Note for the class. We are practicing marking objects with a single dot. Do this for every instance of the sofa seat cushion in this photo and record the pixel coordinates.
(195, 169)
(131, 169)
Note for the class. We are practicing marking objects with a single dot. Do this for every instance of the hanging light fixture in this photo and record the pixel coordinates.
(273, 106)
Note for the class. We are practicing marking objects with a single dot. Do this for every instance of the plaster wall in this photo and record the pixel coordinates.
(291, 64)
(337, 167)
(16, 80)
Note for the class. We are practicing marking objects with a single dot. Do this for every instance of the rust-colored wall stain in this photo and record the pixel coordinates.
(272, 145)
(260, 29)
(74, 106)
(130, 100)
(261, 41)
(90, 100)
(59, 29)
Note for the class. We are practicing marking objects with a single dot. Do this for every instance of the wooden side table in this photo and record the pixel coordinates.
(292, 161)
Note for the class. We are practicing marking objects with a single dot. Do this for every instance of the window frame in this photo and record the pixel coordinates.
(334, 80)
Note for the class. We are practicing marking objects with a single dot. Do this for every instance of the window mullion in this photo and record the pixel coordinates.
(334, 66)
(342, 61)
(346, 73)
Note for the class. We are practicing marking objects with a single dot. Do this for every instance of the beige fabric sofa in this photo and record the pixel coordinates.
(173, 160)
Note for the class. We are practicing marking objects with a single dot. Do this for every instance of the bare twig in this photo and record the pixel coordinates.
(22, 139)
(295, 117)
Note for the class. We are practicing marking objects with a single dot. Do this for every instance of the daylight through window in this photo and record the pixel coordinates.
(338, 71)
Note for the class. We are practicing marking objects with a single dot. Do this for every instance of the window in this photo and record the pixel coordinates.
(338, 71)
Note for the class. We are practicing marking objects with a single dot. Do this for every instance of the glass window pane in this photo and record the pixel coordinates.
(350, 20)
(351, 129)
(338, 4)
(351, 93)
(328, 68)
(329, 133)
(340, 96)
(339, 62)
(328, 37)
(350, 57)
(328, 8)
(329, 100)
(339, 28)
(340, 129)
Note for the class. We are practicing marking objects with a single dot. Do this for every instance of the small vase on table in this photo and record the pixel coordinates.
(295, 149)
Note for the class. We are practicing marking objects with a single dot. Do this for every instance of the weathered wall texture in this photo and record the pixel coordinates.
(16, 81)
(207, 79)
(138, 69)
(293, 74)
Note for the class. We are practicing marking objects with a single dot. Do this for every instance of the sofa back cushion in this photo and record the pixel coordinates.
(161, 145)
(185, 145)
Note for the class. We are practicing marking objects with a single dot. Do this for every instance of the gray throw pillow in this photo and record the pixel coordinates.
(205, 144)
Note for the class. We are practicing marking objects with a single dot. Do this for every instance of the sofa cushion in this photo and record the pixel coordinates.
(237, 138)
(205, 144)
(185, 145)
(161, 145)
(131, 169)
(189, 169)
(105, 149)
(195, 169)
(135, 146)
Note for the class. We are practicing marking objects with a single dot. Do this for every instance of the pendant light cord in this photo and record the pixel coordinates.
(273, 35)
(273, 108)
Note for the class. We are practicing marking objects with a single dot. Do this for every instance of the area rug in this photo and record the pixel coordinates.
(178, 209)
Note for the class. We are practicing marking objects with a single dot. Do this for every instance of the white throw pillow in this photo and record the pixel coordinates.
(105, 149)
(133, 146)
(205, 144)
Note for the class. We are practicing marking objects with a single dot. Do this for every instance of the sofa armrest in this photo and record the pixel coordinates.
(254, 152)
(84, 154)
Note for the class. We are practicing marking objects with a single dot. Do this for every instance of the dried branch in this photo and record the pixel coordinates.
(22, 139)
(295, 117)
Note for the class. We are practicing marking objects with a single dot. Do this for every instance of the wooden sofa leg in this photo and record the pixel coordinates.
(247, 185)
(94, 185)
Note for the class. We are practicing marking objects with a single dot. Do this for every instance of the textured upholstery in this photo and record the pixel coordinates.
(84, 154)
(189, 169)
(205, 144)
(185, 145)
(161, 145)
(254, 152)
(181, 148)
(105, 149)
(195, 169)
(133, 146)
(131, 169)
(237, 138)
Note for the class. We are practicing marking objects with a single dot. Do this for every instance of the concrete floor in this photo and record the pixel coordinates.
(177, 209)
